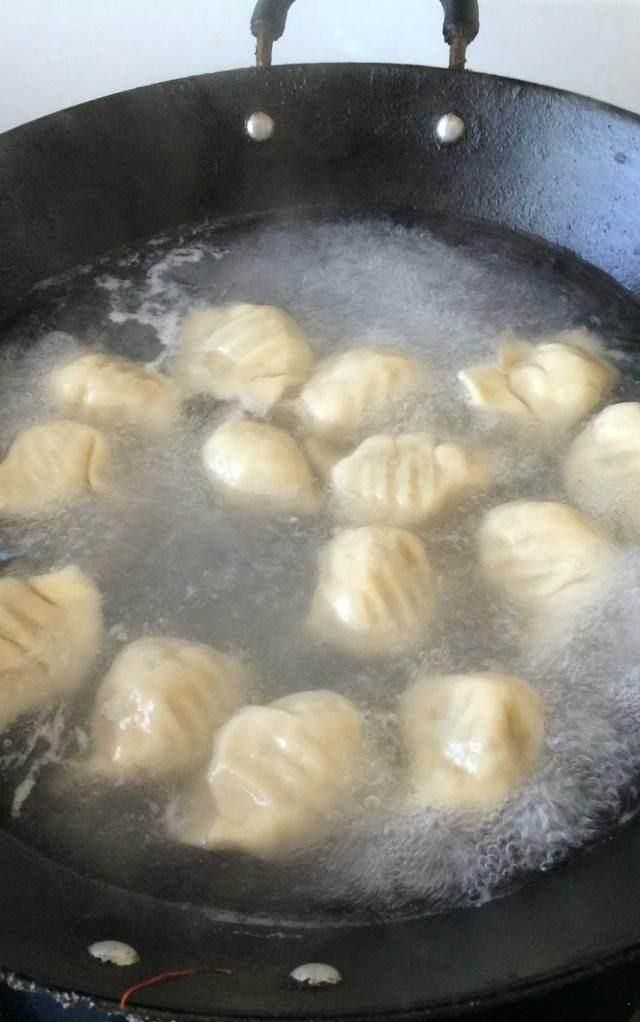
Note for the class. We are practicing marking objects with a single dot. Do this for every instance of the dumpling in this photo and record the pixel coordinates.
(353, 390)
(158, 707)
(50, 463)
(255, 460)
(470, 739)
(277, 773)
(253, 354)
(557, 382)
(545, 557)
(488, 387)
(403, 480)
(102, 388)
(602, 467)
(376, 591)
(50, 634)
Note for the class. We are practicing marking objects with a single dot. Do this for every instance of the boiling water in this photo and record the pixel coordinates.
(170, 558)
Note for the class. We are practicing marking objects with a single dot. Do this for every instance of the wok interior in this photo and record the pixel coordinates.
(93, 306)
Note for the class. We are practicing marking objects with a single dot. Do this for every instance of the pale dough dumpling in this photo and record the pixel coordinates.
(470, 739)
(351, 391)
(556, 383)
(51, 463)
(544, 557)
(102, 388)
(159, 705)
(404, 480)
(255, 460)
(253, 354)
(277, 773)
(376, 591)
(50, 634)
(602, 467)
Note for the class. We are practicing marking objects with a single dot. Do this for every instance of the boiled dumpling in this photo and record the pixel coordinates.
(50, 633)
(557, 382)
(545, 557)
(262, 462)
(541, 551)
(102, 388)
(602, 467)
(355, 389)
(277, 773)
(159, 705)
(403, 480)
(50, 463)
(488, 387)
(376, 590)
(470, 739)
(253, 354)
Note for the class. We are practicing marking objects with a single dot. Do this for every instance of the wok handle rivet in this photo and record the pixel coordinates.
(259, 126)
(114, 952)
(450, 129)
(315, 974)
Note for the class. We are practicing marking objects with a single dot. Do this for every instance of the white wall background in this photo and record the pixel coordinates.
(54, 53)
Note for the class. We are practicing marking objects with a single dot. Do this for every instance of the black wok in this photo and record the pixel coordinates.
(532, 160)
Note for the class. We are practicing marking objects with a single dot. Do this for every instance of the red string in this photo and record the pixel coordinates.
(166, 977)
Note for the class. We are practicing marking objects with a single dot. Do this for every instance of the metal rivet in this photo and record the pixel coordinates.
(114, 952)
(260, 126)
(316, 974)
(450, 129)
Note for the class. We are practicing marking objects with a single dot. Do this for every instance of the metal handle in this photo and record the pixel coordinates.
(267, 24)
(461, 25)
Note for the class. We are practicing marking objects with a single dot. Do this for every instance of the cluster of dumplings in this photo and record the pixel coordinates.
(302, 437)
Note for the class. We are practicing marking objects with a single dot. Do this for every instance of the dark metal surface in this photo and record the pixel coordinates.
(609, 997)
(122, 169)
(560, 927)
